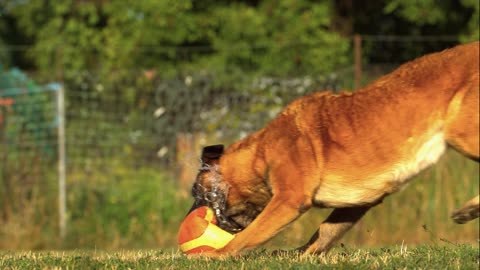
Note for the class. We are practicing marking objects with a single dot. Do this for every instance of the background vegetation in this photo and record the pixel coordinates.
(141, 76)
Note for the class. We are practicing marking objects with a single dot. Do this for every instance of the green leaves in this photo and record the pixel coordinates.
(472, 32)
(271, 38)
(440, 14)
(276, 38)
(420, 12)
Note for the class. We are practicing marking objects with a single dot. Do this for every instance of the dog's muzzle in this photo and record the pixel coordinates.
(216, 200)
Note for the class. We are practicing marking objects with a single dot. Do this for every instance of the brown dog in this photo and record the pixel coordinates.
(345, 151)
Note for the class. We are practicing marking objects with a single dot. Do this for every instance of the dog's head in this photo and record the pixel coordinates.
(210, 190)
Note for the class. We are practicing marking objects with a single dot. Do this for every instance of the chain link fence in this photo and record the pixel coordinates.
(163, 123)
(28, 156)
(132, 142)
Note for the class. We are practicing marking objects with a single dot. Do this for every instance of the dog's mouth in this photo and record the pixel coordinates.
(216, 199)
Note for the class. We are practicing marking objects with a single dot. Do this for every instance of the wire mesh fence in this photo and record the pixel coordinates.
(133, 143)
(28, 152)
(163, 123)
(144, 123)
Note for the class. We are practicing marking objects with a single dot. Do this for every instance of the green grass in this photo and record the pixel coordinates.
(397, 257)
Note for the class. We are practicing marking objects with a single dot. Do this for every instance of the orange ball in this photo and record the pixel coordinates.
(198, 232)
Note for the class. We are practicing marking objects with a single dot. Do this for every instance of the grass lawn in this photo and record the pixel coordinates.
(398, 257)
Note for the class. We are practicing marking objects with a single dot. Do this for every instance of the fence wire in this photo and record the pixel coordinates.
(115, 129)
(28, 147)
(142, 125)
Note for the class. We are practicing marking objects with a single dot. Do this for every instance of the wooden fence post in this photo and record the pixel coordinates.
(188, 160)
(357, 43)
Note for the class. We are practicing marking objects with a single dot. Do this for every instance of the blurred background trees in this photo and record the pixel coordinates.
(268, 37)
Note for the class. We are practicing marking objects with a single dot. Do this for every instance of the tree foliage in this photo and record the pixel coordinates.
(458, 17)
(284, 37)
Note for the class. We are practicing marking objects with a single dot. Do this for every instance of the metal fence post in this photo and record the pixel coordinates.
(62, 203)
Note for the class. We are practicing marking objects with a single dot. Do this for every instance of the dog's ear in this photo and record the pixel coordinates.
(212, 152)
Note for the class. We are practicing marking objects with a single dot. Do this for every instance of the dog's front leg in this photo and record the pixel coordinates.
(279, 212)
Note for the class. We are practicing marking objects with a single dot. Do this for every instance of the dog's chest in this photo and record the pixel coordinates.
(340, 191)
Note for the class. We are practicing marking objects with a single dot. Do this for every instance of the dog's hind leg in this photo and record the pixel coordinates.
(462, 133)
(469, 211)
(333, 228)
(463, 122)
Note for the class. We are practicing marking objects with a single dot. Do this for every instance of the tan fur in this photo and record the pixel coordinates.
(349, 151)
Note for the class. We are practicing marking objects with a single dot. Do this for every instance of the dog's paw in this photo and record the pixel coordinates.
(464, 215)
